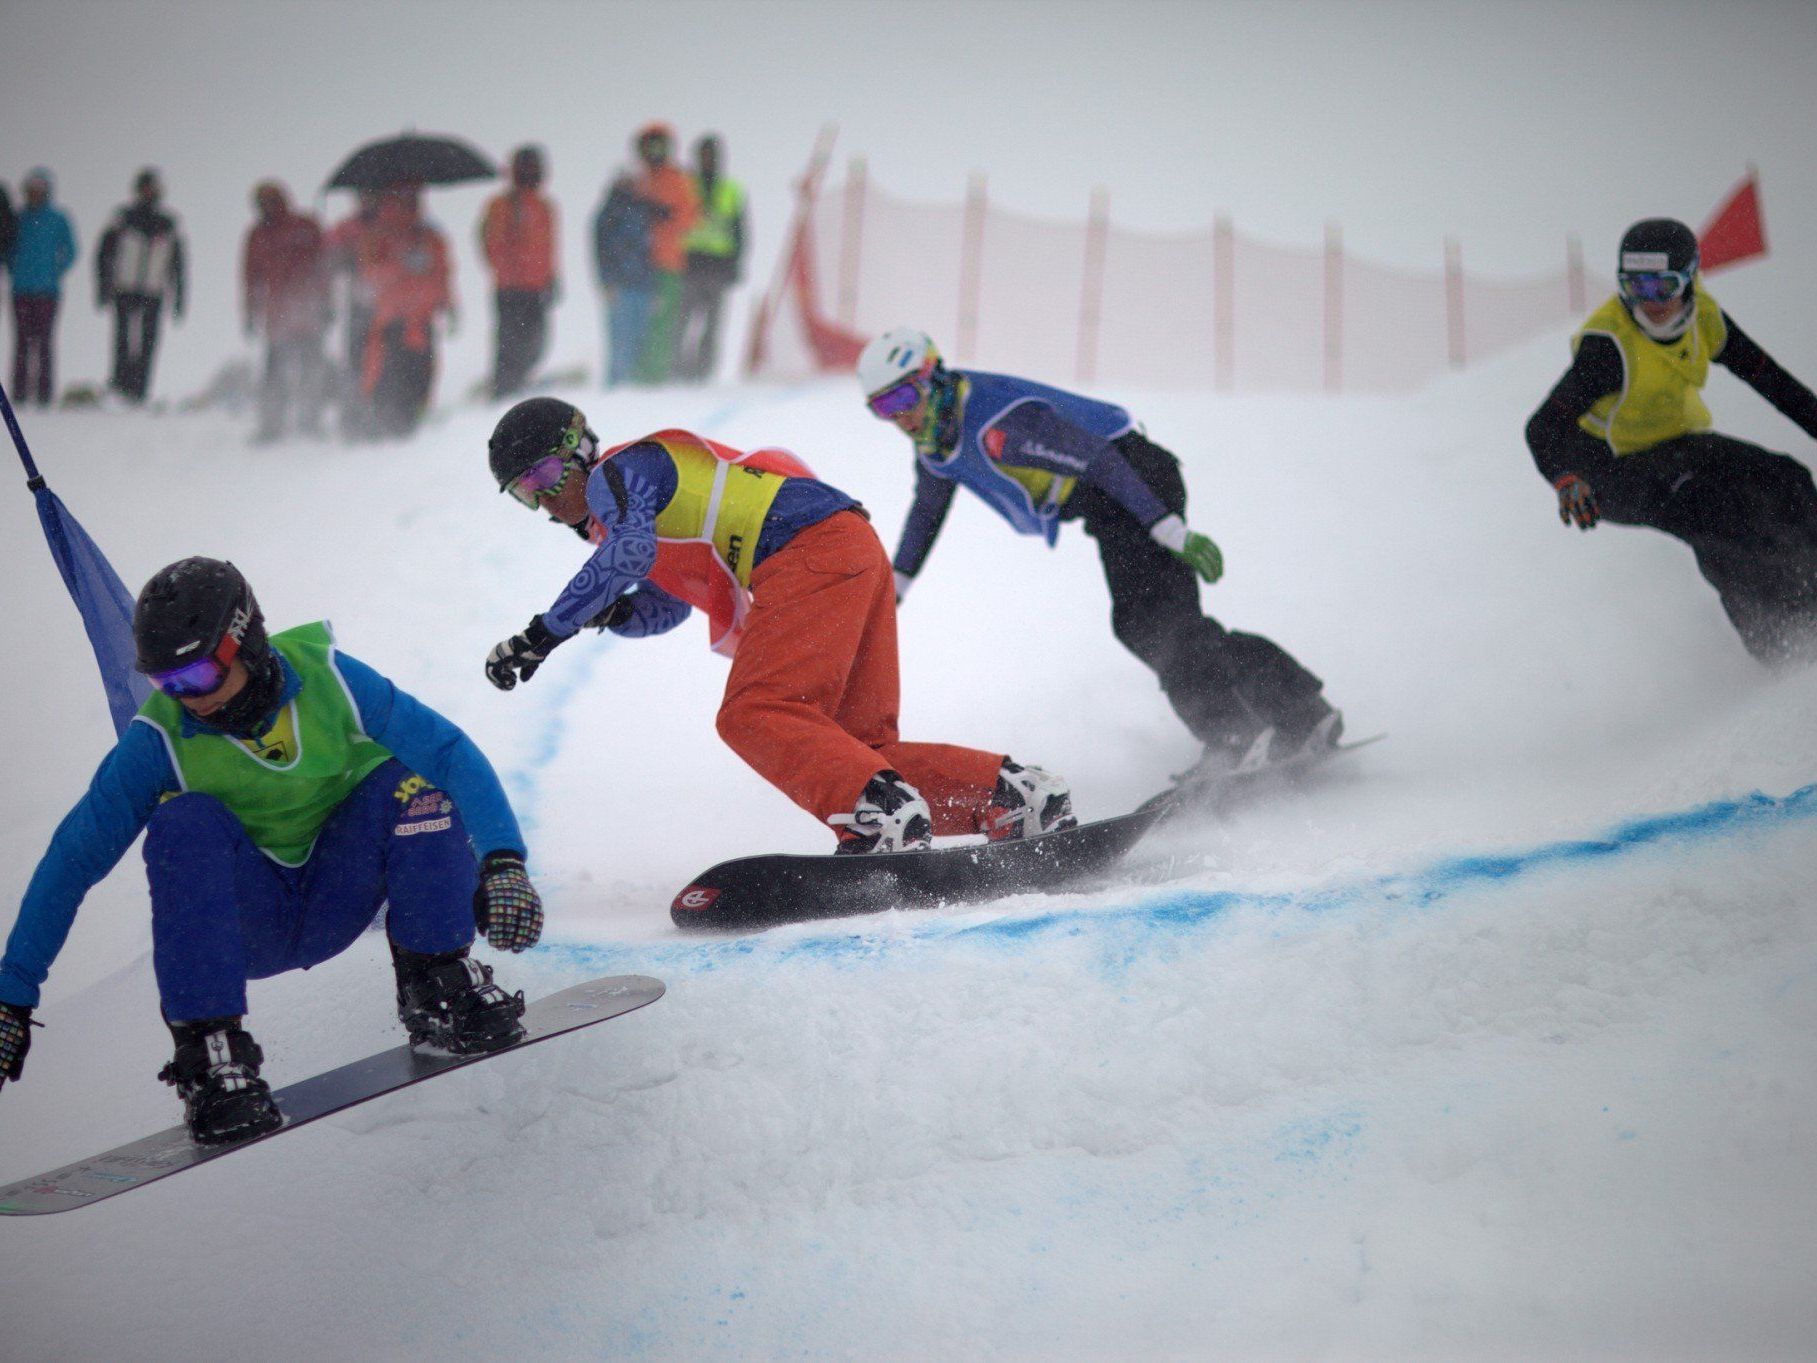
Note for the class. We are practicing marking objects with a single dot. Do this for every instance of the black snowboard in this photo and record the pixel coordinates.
(754, 892)
(170, 1152)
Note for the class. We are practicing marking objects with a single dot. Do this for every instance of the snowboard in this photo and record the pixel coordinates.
(1195, 787)
(151, 1158)
(762, 891)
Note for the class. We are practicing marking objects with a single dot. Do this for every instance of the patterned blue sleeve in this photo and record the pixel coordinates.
(87, 845)
(653, 611)
(624, 558)
(435, 748)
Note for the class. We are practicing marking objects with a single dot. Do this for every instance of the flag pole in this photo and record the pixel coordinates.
(33, 479)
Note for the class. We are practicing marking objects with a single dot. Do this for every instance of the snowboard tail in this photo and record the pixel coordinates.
(171, 1152)
(762, 891)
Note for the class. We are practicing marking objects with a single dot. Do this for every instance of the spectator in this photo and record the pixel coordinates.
(284, 283)
(518, 237)
(43, 251)
(139, 262)
(347, 246)
(715, 254)
(621, 255)
(9, 227)
(671, 189)
(407, 266)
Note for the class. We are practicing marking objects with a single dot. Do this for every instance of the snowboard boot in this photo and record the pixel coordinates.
(1027, 801)
(890, 816)
(1231, 753)
(1311, 733)
(216, 1073)
(449, 1003)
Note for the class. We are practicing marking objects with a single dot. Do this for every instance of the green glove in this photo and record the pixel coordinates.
(1202, 556)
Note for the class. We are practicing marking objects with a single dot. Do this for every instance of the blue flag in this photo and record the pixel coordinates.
(104, 602)
(101, 598)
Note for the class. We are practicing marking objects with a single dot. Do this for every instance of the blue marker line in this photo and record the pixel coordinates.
(1180, 913)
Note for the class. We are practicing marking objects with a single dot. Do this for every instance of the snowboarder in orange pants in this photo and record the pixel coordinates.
(797, 591)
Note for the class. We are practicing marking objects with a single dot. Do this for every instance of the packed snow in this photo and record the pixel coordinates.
(1492, 1042)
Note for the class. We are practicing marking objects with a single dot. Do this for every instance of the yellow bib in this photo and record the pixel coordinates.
(1661, 393)
(717, 501)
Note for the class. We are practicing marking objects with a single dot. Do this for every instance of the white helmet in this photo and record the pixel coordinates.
(903, 353)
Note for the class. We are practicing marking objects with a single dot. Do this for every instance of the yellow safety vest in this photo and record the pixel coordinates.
(712, 233)
(1660, 396)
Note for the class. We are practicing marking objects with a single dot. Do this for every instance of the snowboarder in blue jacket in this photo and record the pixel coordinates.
(288, 793)
(1040, 456)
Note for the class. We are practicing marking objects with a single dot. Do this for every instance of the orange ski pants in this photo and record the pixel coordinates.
(812, 698)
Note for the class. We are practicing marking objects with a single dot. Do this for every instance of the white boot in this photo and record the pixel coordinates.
(1027, 801)
(890, 816)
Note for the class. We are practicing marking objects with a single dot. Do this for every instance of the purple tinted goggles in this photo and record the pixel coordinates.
(897, 399)
(541, 479)
(1654, 286)
(200, 678)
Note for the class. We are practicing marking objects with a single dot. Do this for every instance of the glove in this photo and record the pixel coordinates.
(1204, 557)
(506, 907)
(902, 585)
(1576, 502)
(615, 614)
(1196, 550)
(15, 1039)
(517, 658)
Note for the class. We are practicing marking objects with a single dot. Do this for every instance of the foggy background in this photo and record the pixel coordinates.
(1508, 125)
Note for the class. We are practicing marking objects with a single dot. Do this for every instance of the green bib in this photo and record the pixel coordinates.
(282, 786)
(1661, 395)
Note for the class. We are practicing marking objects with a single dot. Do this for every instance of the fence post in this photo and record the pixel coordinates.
(1223, 304)
(1574, 274)
(971, 268)
(1454, 301)
(1091, 294)
(851, 243)
(1334, 308)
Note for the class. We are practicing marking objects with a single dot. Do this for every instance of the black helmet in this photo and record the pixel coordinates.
(186, 612)
(1658, 264)
(534, 429)
(188, 608)
(1655, 244)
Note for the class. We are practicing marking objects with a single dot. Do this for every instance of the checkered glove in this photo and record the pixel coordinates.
(506, 907)
(1576, 502)
(15, 1040)
(517, 658)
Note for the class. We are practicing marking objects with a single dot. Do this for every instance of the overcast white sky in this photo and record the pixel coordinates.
(1508, 124)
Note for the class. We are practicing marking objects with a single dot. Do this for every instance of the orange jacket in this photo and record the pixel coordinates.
(518, 234)
(672, 188)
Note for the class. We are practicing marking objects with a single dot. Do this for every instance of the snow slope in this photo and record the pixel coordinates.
(1495, 1044)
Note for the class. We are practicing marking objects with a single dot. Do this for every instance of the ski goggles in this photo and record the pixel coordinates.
(896, 399)
(545, 478)
(202, 677)
(1654, 286)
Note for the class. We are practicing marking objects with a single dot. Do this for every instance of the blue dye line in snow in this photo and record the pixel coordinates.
(1165, 915)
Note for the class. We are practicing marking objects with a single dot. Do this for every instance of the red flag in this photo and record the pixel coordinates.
(1736, 231)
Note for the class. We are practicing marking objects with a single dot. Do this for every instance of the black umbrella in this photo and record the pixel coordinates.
(412, 159)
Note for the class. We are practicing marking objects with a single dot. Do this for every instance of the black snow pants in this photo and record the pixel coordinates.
(523, 334)
(1220, 682)
(1750, 517)
(136, 317)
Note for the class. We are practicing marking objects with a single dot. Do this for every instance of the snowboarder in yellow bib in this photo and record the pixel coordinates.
(1625, 436)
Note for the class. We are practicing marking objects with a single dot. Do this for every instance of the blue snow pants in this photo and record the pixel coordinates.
(222, 912)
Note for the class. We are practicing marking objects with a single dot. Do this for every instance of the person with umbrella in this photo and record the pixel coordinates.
(400, 261)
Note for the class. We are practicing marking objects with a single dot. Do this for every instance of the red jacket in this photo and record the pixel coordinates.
(518, 234)
(285, 285)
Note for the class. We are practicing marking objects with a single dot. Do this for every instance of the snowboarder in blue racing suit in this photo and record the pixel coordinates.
(288, 792)
(1039, 456)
